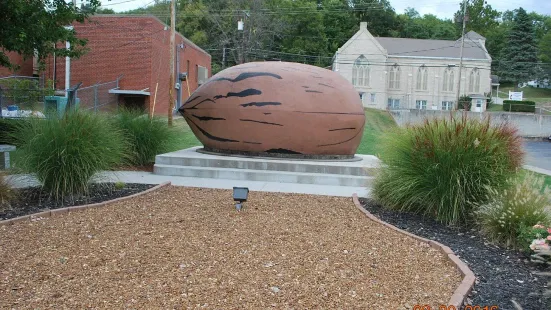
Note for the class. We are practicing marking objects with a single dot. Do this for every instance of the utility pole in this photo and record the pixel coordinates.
(461, 52)
(172, 47)
(224, 58)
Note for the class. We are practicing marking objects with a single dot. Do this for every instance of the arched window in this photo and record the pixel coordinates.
(394, 77)
(474, 81)
(360, 72)
(422, 78)
(449, 80)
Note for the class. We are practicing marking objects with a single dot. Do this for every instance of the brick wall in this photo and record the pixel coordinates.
(136, 47)
(26, 65)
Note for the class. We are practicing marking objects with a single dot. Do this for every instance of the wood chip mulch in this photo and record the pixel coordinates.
(189, 248)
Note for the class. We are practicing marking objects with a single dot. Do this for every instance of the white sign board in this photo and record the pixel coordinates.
(517, 96)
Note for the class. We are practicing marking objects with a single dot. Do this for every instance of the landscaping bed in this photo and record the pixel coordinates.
(33, 200)
(188, 247)
(501, 274)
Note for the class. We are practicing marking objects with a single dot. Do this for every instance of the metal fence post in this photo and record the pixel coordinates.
(96, 98)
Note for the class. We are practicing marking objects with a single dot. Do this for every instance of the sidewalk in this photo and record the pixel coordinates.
(142, 177)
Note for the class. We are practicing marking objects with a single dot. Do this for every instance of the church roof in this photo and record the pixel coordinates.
(434, 48)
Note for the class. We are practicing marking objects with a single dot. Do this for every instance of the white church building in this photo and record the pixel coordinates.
(402, 73)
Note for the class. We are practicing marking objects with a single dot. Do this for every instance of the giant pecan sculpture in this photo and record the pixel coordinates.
(276, 108)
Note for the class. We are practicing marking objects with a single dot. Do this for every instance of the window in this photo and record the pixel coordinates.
(394, 77)
(447, 105)
(474, 81)
(360, 72)
(449, 80)
(373, 98)
(202, 75)
(393, 103)
(422, 78)
(421, 104)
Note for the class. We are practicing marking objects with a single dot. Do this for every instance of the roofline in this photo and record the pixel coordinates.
(187, 41)
(436, 57)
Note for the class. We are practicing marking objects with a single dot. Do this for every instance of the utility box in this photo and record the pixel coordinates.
(58, 104)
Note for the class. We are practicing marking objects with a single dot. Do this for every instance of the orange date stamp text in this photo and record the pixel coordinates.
(444, 307)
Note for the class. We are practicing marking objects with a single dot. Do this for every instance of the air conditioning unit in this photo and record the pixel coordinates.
(202, 75)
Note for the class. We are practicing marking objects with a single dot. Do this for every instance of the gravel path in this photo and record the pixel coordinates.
(33, 200)
(188, 247)
(501, 274)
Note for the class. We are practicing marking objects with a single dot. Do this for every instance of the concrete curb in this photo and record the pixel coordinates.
(469, 278)
(56, 212)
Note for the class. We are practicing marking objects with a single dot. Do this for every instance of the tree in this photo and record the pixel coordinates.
(519, 56)
(35, 26)
(481, 17)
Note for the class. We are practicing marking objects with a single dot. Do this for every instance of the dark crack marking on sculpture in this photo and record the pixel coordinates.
(316, 76)
(326, 85)
(260, 122)
(259, 104)
(192, 99)
(337, 129)
(282, 151)
(313, 91)
(306, 86)
(208, 135)
(267, 113)
(241, 94)
(208, 118)
(195, 106)
(251, 142)
(330, 144)
(248, 75)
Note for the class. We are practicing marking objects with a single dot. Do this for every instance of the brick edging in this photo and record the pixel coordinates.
(466, 285)
(55, 212)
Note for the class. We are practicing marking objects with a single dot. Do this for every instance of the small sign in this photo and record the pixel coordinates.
(517, 96)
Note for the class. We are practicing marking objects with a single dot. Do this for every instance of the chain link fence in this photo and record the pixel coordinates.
(22, 96)
(97, 98)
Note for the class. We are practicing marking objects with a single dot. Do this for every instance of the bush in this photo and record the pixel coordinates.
(65, 153)
(146, 137)
(442, 167)
(509, 210)
(6, 192)
(465, 103)
(519, 106)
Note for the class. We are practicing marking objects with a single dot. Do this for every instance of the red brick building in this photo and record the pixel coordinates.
(136, 47)
(25, 66)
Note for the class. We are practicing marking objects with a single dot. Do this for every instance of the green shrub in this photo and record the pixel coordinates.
(509, 210)
(465, 103)
(6, 192)
(519, 106)
(146, 137)
(120, 185)
(65, 153)
(527, 234)
(442, 167)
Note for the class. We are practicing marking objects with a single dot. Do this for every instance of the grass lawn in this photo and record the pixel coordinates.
(539, 95)
(377, 122)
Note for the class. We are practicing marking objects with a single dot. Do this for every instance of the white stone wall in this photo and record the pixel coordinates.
(363, 43)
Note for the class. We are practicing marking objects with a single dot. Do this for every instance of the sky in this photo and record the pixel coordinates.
(440, 8)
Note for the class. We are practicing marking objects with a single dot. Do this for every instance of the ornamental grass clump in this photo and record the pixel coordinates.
(508, 210)
(65, 153)
(443, 167)
(147, 137)
(7, 194)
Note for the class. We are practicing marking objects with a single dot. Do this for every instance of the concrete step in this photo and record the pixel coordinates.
(263, 175)
(189, 157)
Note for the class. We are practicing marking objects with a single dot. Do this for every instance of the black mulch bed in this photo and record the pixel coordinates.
(501, 274)
(33, 200)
